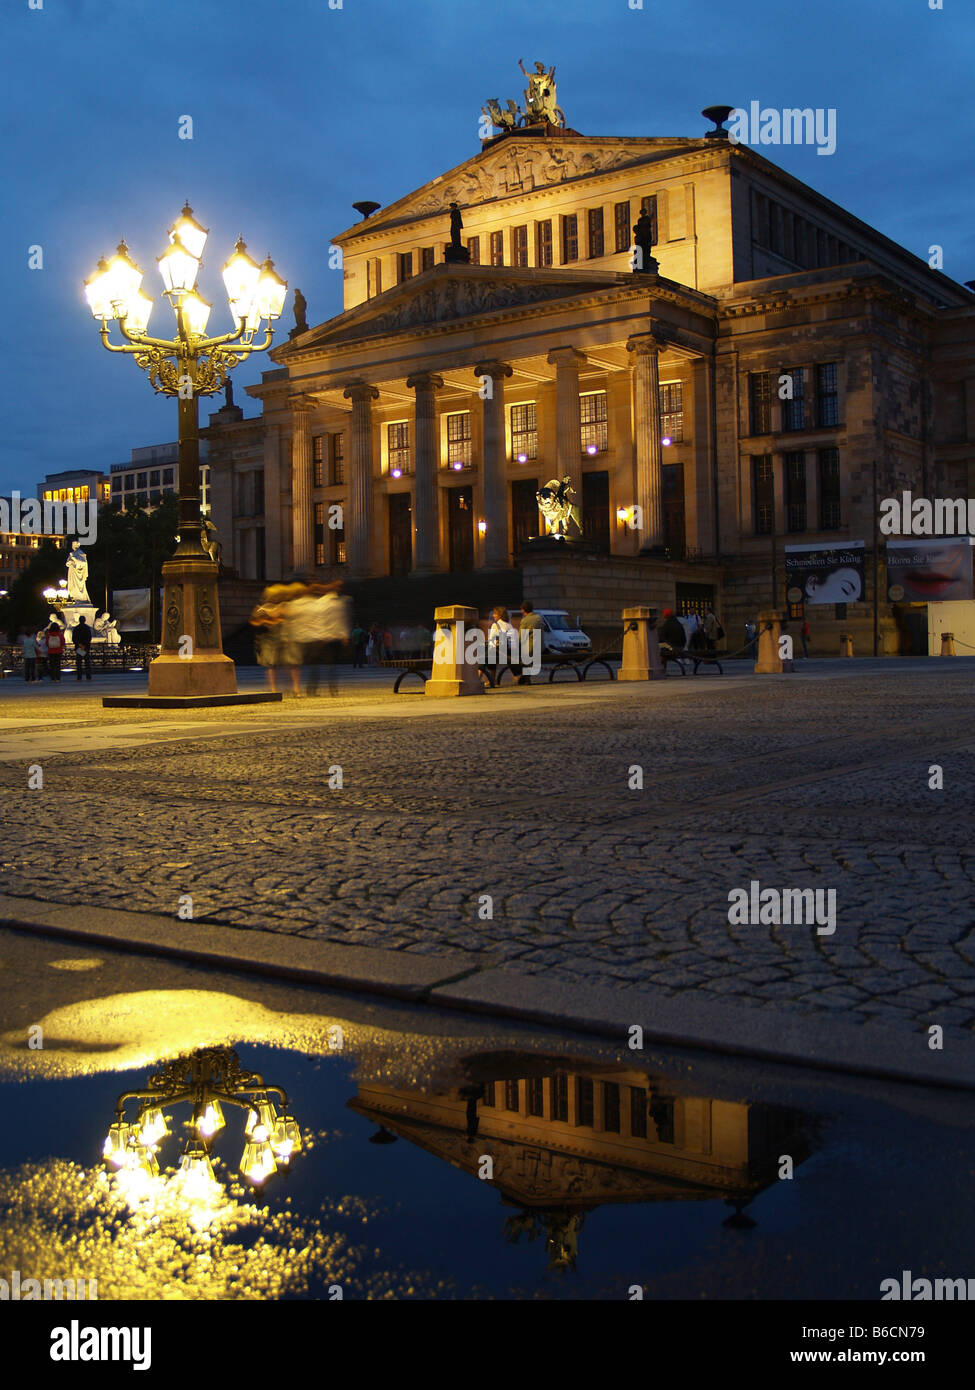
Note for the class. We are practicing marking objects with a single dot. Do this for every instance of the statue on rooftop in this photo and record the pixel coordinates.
(301, 306)
(642, 258)
(540, 100)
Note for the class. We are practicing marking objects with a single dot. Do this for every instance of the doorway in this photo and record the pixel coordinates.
(460, 515)
(400, 533)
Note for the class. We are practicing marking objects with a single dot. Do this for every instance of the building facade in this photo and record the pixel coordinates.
(781, 366)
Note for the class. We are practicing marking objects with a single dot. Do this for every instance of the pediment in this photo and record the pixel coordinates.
(513, 165)
(445, 295)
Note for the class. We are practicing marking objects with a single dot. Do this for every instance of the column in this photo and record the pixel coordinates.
(303, 553)
(273, 566)
(426, 454)
(567, 361)
(705, 463)
(495, 466)
(358, 510)
(646, 427)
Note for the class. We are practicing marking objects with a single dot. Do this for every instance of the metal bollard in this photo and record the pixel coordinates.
(769, 661)
(641, 646)
(452, 673)
(947, 644)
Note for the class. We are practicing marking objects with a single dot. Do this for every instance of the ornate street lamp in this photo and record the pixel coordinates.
(192, 664)
(208, 1080)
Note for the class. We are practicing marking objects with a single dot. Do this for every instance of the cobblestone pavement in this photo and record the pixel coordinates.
(815, 781)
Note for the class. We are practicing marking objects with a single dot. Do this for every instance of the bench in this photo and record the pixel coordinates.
(681, 658)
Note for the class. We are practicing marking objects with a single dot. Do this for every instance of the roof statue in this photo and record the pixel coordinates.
(541, 107)
(555, 506)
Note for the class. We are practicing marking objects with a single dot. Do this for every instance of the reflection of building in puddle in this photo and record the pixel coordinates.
(563, 1143)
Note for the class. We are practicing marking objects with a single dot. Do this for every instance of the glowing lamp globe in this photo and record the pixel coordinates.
(178, 268)
(592, 449)
(271, 290)
(187, 230)
(522, 458)
(396, 473)
(122, 279)
(196, 311)
(457, 466)
(96, 292)
(666, 441)
(240, 276)
(137, 318)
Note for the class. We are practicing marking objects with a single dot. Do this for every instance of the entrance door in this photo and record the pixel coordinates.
(400, 533)
(595, 510)
(672, 490)
(461, 523)
(524, 511)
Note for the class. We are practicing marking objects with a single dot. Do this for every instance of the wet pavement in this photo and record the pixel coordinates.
(446, 1158)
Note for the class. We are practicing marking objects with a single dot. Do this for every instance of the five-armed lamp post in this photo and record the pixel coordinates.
(191, 665)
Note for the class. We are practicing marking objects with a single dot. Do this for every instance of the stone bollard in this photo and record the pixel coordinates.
(769, 661)
(947, 644)
(452, 673)
(846, 644)
(641, 646)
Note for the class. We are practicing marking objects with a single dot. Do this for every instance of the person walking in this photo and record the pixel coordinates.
(531, 639)
(804, 632)
(55, 651)
(713, 631)
(41, 650)
(28, 645)
(81, 635)
(359, 639)
(751, 639)
(502, 644)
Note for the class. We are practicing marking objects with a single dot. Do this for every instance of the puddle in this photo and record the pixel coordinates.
(463, 1167)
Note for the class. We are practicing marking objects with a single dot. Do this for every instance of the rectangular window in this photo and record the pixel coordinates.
(560, 1097)
(320, 514)
(167, 477)
(763, 493)
(497, 248)
(584, 1101)
(638, 1112)
(611, 1107)
(621, 226)
(649, 206)
(319, 553)
(672, 410)
(570, 237)
(760, 402)
(543, 242)
(141, 480)
(519, 245)
(593, 436)
(129, 481)
(374, 277)
(524, 432)
(338, 458)
(511, 1096)
(795, 491)
(318, 459)
(426, 258)
(827, 394)
(829, 490)
(474, 249)
(398, 444)
(459, 438)
(535, 1095)
(596, 238)
(154, 478)
(405, 261)
(794, 410)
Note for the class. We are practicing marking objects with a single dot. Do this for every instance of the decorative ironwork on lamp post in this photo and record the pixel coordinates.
(191, 662)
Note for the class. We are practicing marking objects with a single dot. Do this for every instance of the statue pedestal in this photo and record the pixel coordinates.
(71, 611)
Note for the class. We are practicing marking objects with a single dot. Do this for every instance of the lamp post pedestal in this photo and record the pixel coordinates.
(192, 661)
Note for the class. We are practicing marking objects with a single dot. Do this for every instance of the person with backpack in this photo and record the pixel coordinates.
(81, 635)
(55, 651)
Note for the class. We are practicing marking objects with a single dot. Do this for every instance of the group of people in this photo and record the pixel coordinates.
(691, 633)
(43, 651)
(301, 625)
(507, 644)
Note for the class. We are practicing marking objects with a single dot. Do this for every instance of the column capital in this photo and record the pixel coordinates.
(644, 343)
(358, 391)
(566, 357)
(421, 381)
(493, 369)
(301, 401)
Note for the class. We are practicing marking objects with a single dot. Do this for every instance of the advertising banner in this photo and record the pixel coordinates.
(131, 609)
(825, 573)
(929, 571)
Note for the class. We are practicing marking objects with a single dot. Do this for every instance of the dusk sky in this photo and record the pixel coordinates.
(299, 110)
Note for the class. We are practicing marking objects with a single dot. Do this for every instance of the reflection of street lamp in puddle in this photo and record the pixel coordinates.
(209, 1079)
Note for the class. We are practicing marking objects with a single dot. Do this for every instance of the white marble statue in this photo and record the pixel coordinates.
(106, 628)
(78, 574)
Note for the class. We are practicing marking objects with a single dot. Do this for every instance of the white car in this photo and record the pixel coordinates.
(561, 635)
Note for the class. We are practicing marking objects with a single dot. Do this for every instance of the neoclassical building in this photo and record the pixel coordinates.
(408, 436)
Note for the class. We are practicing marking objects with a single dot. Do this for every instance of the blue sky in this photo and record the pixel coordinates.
(299, 110)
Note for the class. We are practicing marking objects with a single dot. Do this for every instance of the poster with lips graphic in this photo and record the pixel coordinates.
(929, 571)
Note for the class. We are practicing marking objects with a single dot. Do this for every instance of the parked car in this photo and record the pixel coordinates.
(561, 635)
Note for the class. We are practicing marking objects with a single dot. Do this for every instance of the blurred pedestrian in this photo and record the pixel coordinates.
(359, 639)
(273, 645)
(751, 639)
(28, 646)
(318, 621)
(55, 651)
(81, 635)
